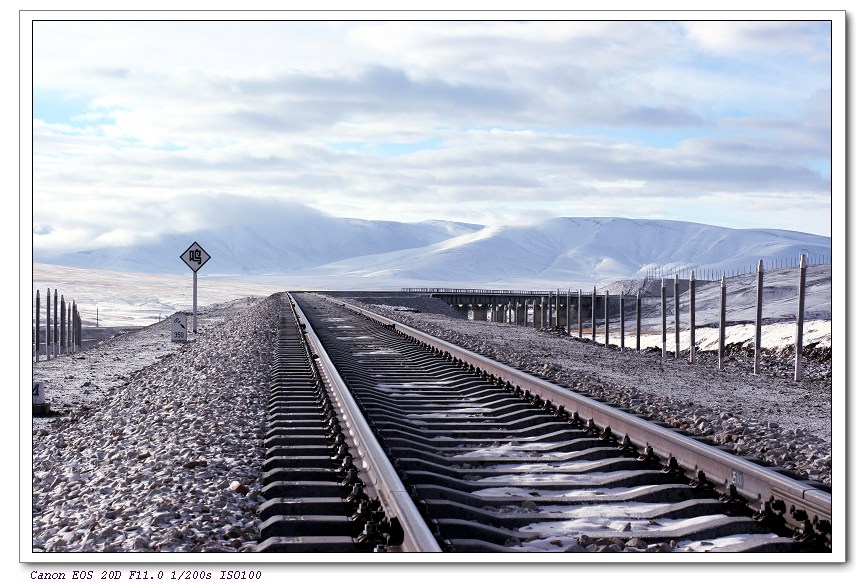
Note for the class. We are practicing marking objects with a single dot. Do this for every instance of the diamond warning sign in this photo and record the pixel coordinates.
(195, 257)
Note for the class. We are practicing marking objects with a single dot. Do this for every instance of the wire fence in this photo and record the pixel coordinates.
(716, 274)
(669, 308)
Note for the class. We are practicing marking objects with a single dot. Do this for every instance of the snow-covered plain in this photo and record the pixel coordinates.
(772, 336)
(136, 299)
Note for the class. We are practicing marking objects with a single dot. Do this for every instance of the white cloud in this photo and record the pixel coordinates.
(464, 121)
(780, 38)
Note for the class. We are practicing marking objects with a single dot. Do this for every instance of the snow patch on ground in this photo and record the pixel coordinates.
(772, 336)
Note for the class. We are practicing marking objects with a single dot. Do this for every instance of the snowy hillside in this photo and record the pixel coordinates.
(301, 247)
(579, 252)
(290, 239)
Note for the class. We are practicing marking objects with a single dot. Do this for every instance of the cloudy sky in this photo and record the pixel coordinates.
(142, 127)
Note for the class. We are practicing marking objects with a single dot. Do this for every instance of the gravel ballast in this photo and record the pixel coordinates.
(159, 446)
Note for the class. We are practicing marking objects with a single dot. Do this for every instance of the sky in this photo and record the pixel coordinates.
(146, 127)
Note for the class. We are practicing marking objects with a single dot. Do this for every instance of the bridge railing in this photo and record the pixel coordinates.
(450, 290)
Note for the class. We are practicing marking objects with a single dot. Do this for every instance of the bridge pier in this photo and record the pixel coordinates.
(520, 313)
(580, 312)
(560, 312)
(553, 309)
(463, 309)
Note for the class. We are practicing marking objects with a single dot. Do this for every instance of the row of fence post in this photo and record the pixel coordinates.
(800, 318)
(709, 274)
(545, 315)
(62, 332)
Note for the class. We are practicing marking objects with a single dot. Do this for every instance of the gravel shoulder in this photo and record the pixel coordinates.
(158, 445)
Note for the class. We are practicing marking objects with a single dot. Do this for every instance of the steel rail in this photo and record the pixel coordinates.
(381, 477)
(753, 482)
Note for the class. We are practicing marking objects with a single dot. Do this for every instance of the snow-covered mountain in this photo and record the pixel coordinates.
(582, 250)
(296, 240)
(352, 253)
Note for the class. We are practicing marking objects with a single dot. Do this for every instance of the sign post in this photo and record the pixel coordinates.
(195, 257)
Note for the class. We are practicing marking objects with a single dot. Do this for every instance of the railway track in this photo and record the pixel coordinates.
(382, 438)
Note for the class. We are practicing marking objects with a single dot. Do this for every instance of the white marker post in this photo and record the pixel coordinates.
(40, 407)
(195, 257)
(178, 328)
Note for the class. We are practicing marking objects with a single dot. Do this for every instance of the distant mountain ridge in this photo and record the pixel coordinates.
(586, 250)
(297, 243)
(566, 249)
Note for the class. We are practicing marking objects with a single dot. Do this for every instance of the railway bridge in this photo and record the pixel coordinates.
(541, 309)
